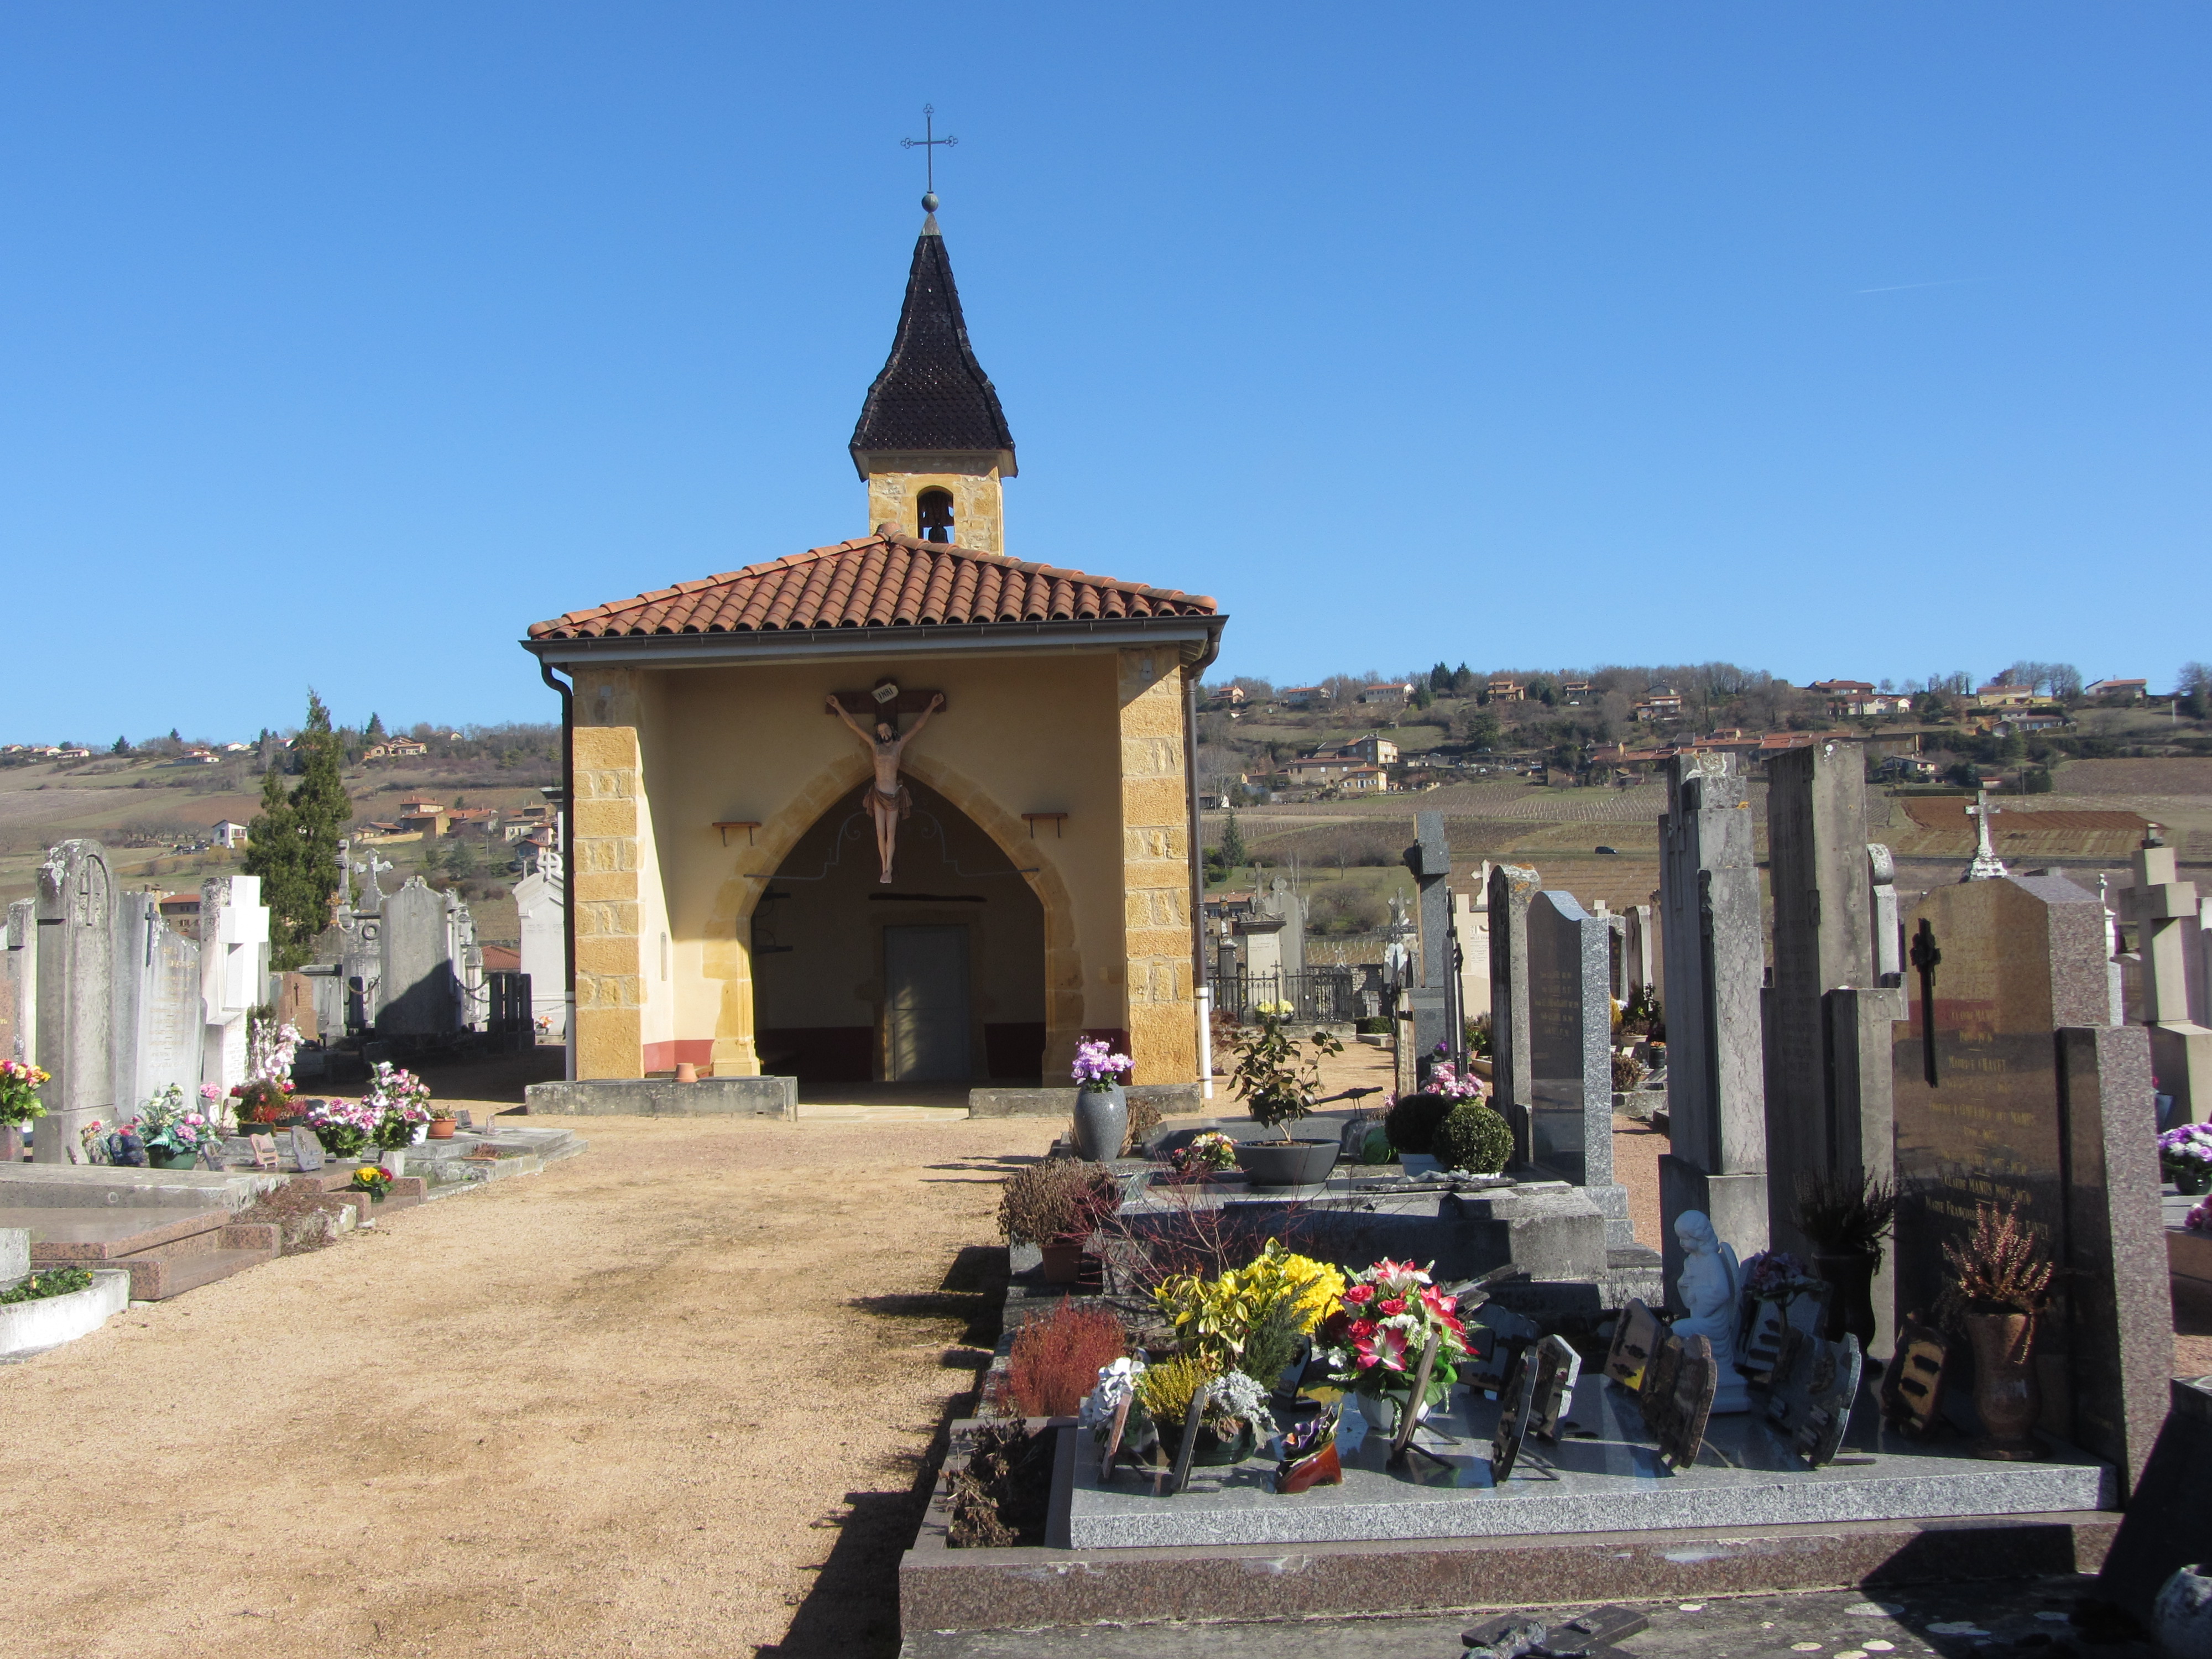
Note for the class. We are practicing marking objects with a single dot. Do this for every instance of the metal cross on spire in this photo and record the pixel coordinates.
(927, 144)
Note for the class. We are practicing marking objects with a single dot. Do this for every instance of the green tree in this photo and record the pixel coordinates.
(293, 843)
(121, 746)
(1440, 679)
(375, 732)
(1233, 850)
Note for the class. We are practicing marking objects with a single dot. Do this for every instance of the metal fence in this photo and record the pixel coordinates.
(1331, 995)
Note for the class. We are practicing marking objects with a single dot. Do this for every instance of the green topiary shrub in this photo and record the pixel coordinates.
(1412, 1122)
(1475, 1138)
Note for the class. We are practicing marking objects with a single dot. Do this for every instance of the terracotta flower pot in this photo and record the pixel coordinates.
(2006, 1396)
(1063, 1263)
(441, 1129)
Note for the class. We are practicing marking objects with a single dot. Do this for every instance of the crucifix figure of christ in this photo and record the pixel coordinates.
(888, 800)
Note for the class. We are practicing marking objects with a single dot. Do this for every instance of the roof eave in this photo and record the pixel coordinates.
(1198, 636)
(1003, 458)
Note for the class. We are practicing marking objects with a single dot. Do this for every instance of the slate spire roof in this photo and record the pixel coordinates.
(878, 581)
(931, 395)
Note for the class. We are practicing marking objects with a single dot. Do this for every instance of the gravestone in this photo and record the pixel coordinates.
(19, 983)
(1571, 1053)
(1282, 905)
(421, 990)
(1827, 1013)
(540, 904)
(2168, 918)
(76, 966)
(1434, 1000)
(1638, 952)
(295, 1004)
(1511, 889)
(234, 973)
(2009, 1086)
(1716, 954)
(157, 1004)
(1471, 928)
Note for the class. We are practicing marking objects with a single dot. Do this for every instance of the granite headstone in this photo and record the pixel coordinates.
(1570, 1052)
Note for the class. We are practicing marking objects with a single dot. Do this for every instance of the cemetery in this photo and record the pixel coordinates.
(1912, 1321)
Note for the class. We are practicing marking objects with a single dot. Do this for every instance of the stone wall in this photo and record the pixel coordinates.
(1162, 1019)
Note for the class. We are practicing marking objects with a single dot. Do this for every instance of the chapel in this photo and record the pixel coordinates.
(901, 809)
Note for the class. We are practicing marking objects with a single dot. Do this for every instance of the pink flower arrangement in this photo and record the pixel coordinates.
(1391, 1310)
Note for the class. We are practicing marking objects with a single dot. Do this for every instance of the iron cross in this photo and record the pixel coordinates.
(928, 145)
(1925, 956)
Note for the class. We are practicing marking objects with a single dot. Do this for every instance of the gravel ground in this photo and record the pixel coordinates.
(670, 1397)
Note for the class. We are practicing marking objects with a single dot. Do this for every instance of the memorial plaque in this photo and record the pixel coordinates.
(1557, 1367)
(1997, 967)
(265, 1151)
(1913, 1387)
(307, 1151)
(1811, 1404)
(1309, 1456)
(1114, 1432)
(1677, 1396)
(1514, 1407)
(1636, 1334)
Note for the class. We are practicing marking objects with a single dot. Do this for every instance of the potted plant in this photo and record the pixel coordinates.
(1844, 1215)
(375, 1179)
(2185, 1157)
(1056, 1206)
(2002, 1280)
(343, 1126)
(401, 1101)
(20, 1082)
(262, 1103)
(443, 1123)
(1231, 1423)
(1101, 1110)
(1377, 1339)
(172, 1136)
(1279, 1080)
(1475, 1138)
(1252, 1319)
(1209, 1152)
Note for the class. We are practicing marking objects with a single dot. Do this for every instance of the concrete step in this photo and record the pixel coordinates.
(156, 1278)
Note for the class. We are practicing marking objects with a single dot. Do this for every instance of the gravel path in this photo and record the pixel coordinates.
(670, 1397)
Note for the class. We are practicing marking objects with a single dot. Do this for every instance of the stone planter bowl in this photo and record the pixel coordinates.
(1286, 1164)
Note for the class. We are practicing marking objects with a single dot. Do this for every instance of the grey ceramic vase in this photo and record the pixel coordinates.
(1102, 1123)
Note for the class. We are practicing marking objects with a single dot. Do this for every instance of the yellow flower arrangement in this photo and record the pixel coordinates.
(1288, 1292)
(1164, 1390)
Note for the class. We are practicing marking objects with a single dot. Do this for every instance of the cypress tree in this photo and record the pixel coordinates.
(293, 843)
(1233, 851)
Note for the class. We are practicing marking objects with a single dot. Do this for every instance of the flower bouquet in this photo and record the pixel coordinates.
(1251, 1319)
(401, 1101)
(20, 1082)
(2200, 1217)
(1390, 1311)
(1097, 1067)
(373, 1179)
(1207, 1154)
(2184, 1157)
(174, 1137)
(343, 1126)
(261, 1100)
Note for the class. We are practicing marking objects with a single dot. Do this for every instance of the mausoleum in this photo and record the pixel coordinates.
(901, 809)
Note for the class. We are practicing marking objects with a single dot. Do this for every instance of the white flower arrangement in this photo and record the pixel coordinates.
(1116, 1382)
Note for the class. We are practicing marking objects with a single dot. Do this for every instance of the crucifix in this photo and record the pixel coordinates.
(1925, 956)
(888, 800)
(1986, 864)
(928, 146)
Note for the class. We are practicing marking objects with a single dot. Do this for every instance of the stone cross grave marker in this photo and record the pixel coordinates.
(2009, 1087)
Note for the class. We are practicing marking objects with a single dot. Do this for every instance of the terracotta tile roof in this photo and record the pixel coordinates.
(880, 581)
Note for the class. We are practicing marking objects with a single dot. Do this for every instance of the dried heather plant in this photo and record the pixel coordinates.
(1845, 1211)
(2002, 1267)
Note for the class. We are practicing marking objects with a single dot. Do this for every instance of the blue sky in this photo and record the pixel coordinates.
(337, 343)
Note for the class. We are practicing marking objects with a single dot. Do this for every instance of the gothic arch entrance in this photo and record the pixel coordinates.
(938, 977)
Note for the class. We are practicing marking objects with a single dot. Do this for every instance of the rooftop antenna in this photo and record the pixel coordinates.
(927, 144)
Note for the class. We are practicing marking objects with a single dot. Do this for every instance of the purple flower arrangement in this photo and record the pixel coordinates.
(1096, 1065)
(2189, 1143)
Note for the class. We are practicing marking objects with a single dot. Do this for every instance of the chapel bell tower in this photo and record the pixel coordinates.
(932, 441)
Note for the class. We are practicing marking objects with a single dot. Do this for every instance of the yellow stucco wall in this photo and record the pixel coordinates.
(895, 483)
(664, 753)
